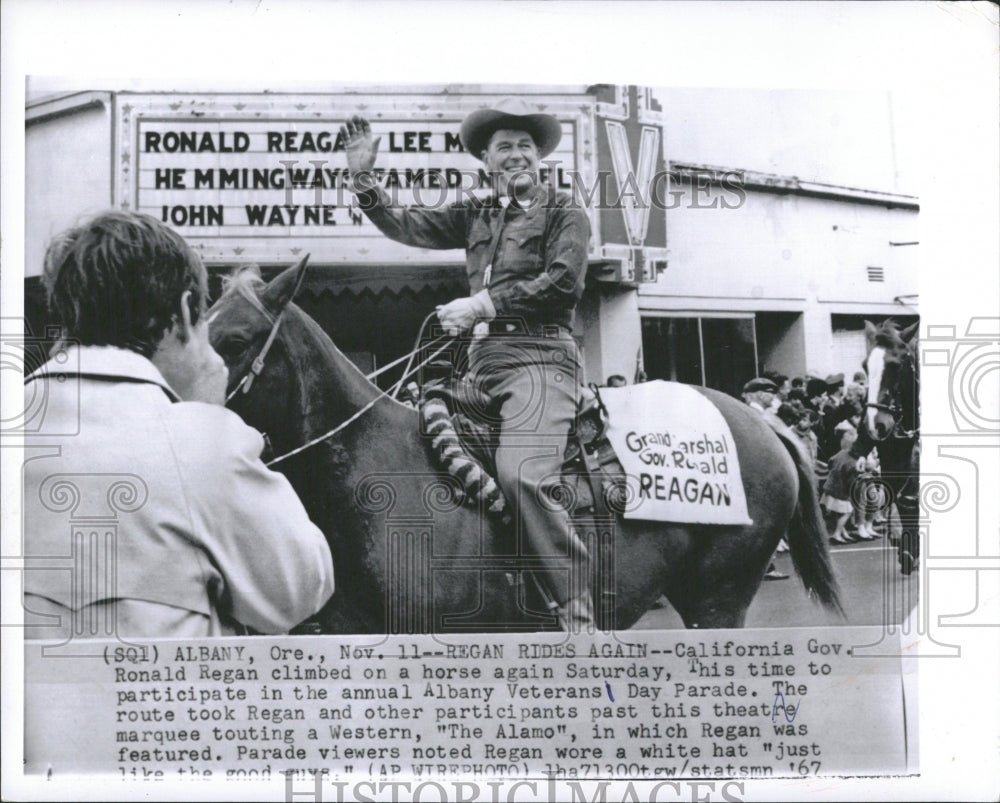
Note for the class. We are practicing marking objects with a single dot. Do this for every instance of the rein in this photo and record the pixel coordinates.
(257, 366)
(385, 393)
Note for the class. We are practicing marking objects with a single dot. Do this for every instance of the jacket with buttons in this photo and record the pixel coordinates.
(537, 265)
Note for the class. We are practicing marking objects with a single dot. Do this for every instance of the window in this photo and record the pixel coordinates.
(712, 351)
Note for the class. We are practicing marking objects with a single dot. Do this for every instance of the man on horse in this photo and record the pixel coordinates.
(176, 527)
(526, 253)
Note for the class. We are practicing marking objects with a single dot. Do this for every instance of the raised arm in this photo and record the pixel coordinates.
(418, 226)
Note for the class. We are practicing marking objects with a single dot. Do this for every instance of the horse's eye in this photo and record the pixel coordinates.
(233, 347)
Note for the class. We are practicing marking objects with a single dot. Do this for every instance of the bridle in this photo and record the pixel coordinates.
(258, 362)
(896, 408)
(257, 367)
(896, 411)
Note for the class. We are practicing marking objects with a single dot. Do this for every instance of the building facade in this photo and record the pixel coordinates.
(733, 232)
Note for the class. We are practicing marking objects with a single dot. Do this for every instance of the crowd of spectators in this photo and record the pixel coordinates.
(825, 415)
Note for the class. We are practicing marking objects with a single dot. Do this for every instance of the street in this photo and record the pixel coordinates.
(872, 591)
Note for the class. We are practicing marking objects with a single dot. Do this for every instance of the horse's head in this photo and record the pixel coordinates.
(892, 367)
(286, 377)
(246, 328)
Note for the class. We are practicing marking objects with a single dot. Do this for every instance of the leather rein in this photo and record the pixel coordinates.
(257, 367)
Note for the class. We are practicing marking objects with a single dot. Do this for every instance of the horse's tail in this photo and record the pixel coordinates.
(806, 530)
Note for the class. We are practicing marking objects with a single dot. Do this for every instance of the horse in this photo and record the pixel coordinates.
(410, 556)
(892, 425)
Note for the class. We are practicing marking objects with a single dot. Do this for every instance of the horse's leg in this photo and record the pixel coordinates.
(717, 570)
(721, 574)
(909, 541)
(908, 506)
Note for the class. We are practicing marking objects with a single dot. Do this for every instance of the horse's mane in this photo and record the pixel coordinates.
(243, 280)
(247, 282)
(887, 335)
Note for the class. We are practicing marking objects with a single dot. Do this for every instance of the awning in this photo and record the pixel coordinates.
(376, 279)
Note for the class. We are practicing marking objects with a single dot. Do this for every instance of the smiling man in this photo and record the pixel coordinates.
(526, 257)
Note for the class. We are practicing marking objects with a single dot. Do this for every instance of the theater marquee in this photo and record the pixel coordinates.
(259, 177)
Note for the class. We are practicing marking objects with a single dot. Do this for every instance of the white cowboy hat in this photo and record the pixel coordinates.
(516, 115)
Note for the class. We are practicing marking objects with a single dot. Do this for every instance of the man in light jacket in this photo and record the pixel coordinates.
(147, 510)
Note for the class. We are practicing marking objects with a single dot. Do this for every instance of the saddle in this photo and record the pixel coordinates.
(456, 417)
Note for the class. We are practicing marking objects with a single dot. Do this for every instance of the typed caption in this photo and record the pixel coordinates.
(646, 707)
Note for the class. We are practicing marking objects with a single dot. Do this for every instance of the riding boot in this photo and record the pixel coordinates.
(577, 615)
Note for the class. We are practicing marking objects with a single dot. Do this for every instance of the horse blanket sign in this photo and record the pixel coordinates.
(678, 454)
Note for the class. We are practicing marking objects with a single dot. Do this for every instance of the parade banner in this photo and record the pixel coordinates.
(678, 454)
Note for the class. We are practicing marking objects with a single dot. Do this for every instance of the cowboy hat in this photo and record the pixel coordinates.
(516, 115)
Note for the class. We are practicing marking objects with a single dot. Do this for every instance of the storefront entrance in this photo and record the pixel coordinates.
(714, 351)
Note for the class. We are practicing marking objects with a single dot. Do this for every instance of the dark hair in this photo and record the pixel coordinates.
(816, 387)
(616, 377)
(118, 280)
(788, 414)
(798, 382)
(506, 124)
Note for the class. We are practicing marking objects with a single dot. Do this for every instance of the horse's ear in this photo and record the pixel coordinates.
(870, 330)
(909, 332)
(284, 287)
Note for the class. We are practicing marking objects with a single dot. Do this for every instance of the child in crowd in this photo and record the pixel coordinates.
(804, 430)
(870, 499)
(845, 468)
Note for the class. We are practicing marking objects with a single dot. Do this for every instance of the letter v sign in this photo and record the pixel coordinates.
(634, 186)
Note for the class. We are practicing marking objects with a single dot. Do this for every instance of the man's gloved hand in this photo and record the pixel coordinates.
(459, 315)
